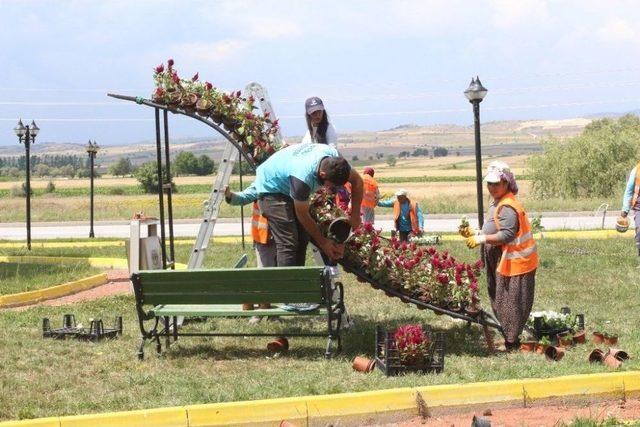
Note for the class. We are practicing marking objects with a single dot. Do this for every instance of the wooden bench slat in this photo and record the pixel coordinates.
(177, 297)
(226, 310)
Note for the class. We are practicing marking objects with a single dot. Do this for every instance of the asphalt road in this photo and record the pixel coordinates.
(230, 227)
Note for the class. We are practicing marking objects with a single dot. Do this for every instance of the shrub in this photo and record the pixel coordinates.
(391, 160)
(116, 191)
(18, 191)
(51, 187)
(593, 164)
(147, 176)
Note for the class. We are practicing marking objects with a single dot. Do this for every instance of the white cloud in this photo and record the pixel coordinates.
(208, 53)
(617, 30)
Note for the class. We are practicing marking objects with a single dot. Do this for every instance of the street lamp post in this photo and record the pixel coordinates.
(92, 150)
(475, 93)
(27, 134)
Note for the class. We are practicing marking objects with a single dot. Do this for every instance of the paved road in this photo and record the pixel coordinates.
(230, 227)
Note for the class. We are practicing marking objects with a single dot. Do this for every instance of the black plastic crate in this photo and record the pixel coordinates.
(388, 357)
(95, 332)
(540, 331)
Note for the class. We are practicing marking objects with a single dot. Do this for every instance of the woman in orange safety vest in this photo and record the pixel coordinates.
(511, 254)
(370, 197)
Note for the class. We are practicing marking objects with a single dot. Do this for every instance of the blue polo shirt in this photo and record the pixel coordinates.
(293, 171)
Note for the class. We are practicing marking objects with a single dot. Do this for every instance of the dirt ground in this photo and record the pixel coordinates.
(538, 415)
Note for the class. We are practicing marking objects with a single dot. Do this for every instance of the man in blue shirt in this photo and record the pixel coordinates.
(284, 184)
(406, 213)
(631, 202)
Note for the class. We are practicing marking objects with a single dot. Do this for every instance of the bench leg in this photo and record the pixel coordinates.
(141, 349)
(175, 328)
(167, 337)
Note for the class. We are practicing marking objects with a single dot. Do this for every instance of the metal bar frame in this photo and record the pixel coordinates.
(160, 189)
(169, 189)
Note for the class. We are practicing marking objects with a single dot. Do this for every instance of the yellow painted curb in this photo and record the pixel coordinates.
(564, 234)
(69, 288)
(109, 263)
(110, 243)
(348, 407)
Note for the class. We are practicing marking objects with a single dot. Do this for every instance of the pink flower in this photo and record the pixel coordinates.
(458, 278)
(159, 69)
(474, 286)
(170, 63)
(195, 77)
(175, 78)
(443, 278)
(478, 265)
(208, 86)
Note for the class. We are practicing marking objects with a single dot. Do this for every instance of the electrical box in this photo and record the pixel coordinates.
(144, 246)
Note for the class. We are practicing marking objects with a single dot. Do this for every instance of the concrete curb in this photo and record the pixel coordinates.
(109, 263)
(351, 408)
(32, 297)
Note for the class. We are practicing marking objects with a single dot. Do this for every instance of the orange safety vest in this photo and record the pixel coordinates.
(636, 188)
(370, 196)
(259, 226)
(413, 214)
(519, 256)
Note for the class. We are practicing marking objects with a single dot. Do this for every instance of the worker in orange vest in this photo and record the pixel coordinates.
(263, 242)
(370, 197)
(631, 202)
(510, 253)
(406, 214)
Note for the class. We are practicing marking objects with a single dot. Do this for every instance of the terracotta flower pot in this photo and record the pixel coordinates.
(611, 361)
(278, 345)
(472, 311)
(598, 337)
(610, 340)
(596, 355)
(565, 341)
(620, 355)
(363, 364)
(554, 353)
(541, 348)
(579, 337)
(527, 346)
(203, 107)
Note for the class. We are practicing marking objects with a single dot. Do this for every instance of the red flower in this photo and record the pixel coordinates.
(478, 265)
(170, 63)
(159, 69)
(195, 77)
(443, 278)
(175, 78)
(208, 86)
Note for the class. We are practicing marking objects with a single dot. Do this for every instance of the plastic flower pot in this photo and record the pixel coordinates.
(596, 355)
(610, 340)
(203, 107)
(554, 353)
(472, 311)
(339, 229)
(264, 306)
(278, 345)
(579, 337)
(247, 306)
(363, 364)
(216, 117)
(598, 337)
(527, 346)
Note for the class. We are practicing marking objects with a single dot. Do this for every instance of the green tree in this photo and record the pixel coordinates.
(206, 166)
(147, 176)
(121, 168)
(391, 160)
(440, 152)
(592, 164)
(185, 163)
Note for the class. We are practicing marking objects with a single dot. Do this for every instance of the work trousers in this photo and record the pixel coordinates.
(290, 237)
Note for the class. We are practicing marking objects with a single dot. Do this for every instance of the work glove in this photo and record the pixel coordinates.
(476, 240)
(467, 231)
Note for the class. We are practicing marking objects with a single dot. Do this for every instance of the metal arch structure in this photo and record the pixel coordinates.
(226, 163)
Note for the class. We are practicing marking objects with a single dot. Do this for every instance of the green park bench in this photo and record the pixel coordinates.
(168, 294)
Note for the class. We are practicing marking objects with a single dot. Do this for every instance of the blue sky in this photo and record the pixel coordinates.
(376, 64)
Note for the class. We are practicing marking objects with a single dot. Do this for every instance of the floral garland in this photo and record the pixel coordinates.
(255, 133)
(421, 273)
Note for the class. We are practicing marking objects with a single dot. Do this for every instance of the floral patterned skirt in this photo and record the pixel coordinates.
(511, 297)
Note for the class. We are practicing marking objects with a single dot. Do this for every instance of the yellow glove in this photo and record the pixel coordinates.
(466, 231)
(474, 241)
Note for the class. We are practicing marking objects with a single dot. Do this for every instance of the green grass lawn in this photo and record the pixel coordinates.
(44, 377)
(15, 277)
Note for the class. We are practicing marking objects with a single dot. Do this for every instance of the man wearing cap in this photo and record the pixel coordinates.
(631, 202)
(319, 129)
(371, 196)
(406, 213)
(284, 184)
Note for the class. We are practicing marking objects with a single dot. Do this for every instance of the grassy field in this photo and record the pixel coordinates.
(16, 278)
(44, 377)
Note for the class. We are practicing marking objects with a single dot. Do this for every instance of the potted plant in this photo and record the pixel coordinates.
(565, 339)
(610, 338)
(598, 337)
(409, 348)
(542, 345)
(579, 337)
(528, 346)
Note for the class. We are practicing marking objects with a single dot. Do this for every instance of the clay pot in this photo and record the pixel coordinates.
(216, 117)
(472, 311)
(278, 345)
(596, 355)
(579, 337)
(188, 101)
(565, 341)
(611, 361)
(203, 107)
(541, 348)
(598, 337)
(264, 306)
(363, 364)
(610, 340)
(247, 306)
(621, 355)
(554, 353)
(527, 346)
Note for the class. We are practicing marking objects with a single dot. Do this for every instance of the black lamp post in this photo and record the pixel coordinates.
(27, 134)
(475, 93)
(92, 149)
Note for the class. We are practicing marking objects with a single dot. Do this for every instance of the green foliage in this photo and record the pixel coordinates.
(147, 176)
(420, 152)
(18, 191)
(206, 166)
(593, 164)
(391, 160)
(122, 167)
(51, 187)
(440, 152)
(186, 163)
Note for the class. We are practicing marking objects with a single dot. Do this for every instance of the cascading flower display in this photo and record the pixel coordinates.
(412, 343)
(425, 274)
(256, 133)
